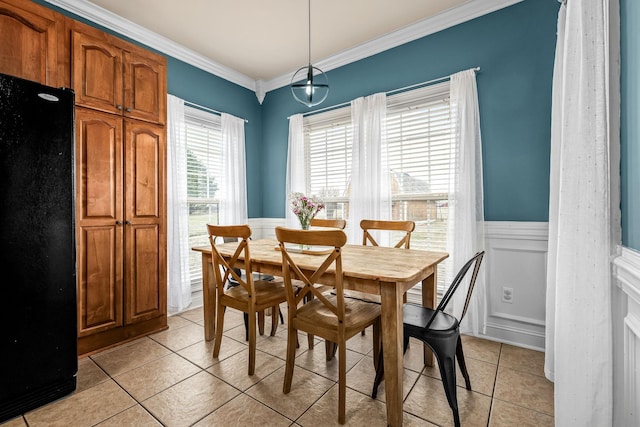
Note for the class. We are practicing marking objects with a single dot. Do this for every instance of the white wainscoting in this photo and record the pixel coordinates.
(626, 338)
(516, 257)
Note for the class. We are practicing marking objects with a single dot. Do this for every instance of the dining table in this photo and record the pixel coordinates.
(377, 270)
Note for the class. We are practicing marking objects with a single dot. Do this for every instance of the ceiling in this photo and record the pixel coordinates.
(260, 43)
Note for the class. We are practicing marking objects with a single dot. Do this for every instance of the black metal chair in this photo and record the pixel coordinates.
(440, 331)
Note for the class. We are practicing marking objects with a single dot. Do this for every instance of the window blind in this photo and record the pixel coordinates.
(204, 157)
(419, 137)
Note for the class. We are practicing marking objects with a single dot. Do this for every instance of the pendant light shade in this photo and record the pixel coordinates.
(308, 88)
(310, 85)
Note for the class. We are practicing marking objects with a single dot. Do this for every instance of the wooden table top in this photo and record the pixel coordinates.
(375, 263)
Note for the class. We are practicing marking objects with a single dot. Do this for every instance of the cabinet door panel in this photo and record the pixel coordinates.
(98, 210)
(98, 167)
(99, 284)
(143, 293)
(145, 88)
(28, 43)
(145, 171)
(145, 281)
(97, 73)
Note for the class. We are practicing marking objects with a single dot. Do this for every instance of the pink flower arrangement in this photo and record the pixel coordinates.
(305, 208)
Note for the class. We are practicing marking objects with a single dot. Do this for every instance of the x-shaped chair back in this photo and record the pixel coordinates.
(330, 238)
(226, 268)
(406, 226)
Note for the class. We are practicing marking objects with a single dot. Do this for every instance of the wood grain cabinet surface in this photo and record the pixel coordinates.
(121, 228)
(118, 78)
(32, 42)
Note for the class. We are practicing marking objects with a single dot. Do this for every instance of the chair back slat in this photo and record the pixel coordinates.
(329, 223)
(455, 284)
(406, 226)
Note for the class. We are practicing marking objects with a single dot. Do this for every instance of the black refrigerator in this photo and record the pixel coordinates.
(38, 328)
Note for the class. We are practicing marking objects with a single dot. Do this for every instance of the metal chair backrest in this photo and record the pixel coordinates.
(477, 259)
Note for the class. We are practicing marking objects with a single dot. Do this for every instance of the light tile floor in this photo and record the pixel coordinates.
(170, 378)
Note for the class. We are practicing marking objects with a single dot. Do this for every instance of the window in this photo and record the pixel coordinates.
(204, 157)
(419, 137)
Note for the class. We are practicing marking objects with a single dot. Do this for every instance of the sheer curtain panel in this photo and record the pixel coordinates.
(583, 227)
(233, 198)
(465, 235)
(370, 194)
(296, 170)
(178, 286)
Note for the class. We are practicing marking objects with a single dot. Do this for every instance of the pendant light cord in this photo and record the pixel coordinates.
(309, 10)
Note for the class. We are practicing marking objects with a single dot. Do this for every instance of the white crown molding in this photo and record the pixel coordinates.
(449, 18)
(147, 37)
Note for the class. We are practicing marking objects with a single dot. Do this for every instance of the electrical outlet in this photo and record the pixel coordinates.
(507, 294)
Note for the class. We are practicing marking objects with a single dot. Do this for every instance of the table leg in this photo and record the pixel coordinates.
(208, 297)
(429, 299)
(392, 350)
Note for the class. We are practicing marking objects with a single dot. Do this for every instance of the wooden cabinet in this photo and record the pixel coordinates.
(120, 188)
(121, 228)
(118, 78)
(32, 43)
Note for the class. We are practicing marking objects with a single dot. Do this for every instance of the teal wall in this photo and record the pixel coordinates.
(630, 122)
(515, 49)
(193, 84)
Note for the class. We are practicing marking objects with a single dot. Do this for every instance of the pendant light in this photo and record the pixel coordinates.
(309, 84)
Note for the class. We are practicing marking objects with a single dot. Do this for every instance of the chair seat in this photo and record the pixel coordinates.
(323, 322)
(416, 316)
(268, 293)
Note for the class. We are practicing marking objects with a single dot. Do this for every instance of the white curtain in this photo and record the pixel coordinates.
(178, 284)
(296, 171)
(578, 356)
(233, 197)
(370, 194)
(465, 233)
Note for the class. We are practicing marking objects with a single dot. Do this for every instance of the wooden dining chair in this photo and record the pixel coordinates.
(256, 276)
(440, 331)
(368, 224)
(329, 223)
(249, 295)
(331, 317)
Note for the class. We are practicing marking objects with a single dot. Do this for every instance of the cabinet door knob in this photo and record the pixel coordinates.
(127, 222)
(118, 222)
(119, 107)
(128, 110)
